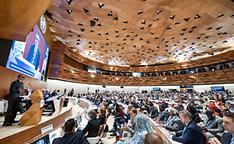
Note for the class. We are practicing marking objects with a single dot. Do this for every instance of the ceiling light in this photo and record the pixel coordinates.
(159, 11)
(92, 23)
(115, 18)
(139, 12)
(220, 15)
(110, 13)
(85, 10)
(144, 63)
(193, 77)
(186, 19)
(69, 1)
(164, 78)
(92, 75)
(172, 17)
(197, 16)
(100, 5)
(69, 11)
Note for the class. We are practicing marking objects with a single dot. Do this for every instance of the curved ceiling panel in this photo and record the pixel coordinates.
(143, 32)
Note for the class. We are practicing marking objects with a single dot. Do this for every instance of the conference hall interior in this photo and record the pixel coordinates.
(117, 71)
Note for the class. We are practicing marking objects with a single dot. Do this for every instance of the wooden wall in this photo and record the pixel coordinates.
(69, 73)
(18, 17)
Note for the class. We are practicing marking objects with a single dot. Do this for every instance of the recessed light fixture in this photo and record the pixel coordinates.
(69, 1)
(69, 11)
(110, 13)
(139, 12)
(220, 15)
(172, 17)
(197, 16)
(100, 5)
(85, 10)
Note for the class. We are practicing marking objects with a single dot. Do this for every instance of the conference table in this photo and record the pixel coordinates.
(161, 131)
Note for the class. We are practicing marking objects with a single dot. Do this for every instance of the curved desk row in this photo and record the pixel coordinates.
(29, 134)
(162, 132)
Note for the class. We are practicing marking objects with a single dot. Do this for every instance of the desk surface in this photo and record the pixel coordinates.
(11, 130)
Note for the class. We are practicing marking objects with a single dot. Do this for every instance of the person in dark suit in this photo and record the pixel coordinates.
(16, 90)
(212, 124)
(191, 133)
(174, 123)
(34, 53)
(228, 124)
(153, 111)
(93, 125)
(70, 136)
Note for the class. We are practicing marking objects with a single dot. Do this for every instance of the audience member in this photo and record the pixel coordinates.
(71, 136)
(174, 123)
(93, 125)
(228, 124)
(153, 138)
(191, 133)
(212, 124)
(142, 127)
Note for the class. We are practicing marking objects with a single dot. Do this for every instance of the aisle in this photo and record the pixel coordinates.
(109, 139)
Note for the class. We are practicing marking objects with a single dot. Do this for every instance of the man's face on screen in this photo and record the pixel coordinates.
(36, 43)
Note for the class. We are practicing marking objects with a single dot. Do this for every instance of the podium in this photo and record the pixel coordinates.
(33, 115)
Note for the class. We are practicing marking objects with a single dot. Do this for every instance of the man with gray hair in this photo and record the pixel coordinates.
(191, 133)
(174, 123)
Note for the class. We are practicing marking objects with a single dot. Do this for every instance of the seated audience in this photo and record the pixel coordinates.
(119, 119)
(102, 116)
(71, 136)
(93, 125)
(212, 124)
(163, 116)
(153, 111)
(153, 138)
(191, 133)
(133, 113)
(174, 123)
(228, 124)
(194, 112)
(142, 127)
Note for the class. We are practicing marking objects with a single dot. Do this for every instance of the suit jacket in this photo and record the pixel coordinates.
(153, 112)
(214, 126)
(164, 116)
(77, 137)
(191, 135)
(226, 138)
(92, 128)
(15, 88)
(36, 60)
(174, 124)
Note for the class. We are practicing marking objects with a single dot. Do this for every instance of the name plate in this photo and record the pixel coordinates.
(47, 129)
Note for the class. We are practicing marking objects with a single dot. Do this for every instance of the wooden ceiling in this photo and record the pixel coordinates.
(18, 17)
(73, 71)
(143, 32)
